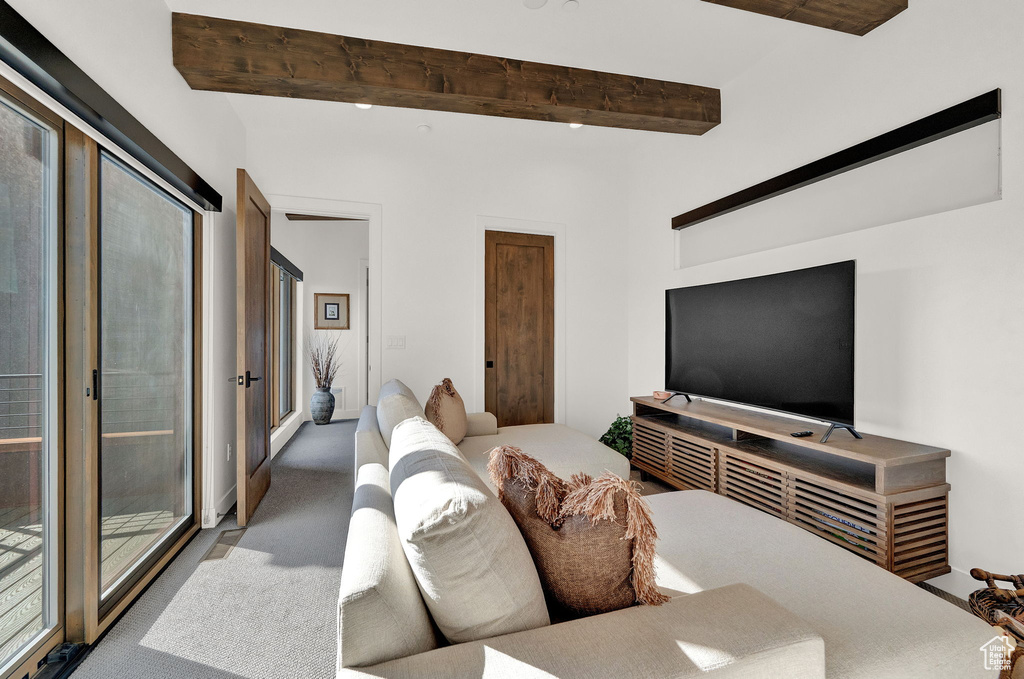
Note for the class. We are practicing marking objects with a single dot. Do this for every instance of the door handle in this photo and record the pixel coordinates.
(249, 379)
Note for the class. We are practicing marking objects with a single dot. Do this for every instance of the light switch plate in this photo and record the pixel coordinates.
(395, 342)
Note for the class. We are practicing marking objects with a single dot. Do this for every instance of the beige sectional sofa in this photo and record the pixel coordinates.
(753, 597)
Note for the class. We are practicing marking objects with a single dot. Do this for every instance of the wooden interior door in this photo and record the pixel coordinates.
(519, 296)
(254, 343)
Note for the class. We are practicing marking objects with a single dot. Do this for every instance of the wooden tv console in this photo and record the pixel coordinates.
(882, 499)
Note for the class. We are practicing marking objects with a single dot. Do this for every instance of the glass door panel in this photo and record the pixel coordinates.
(28, 380)
(285, 356)
(146, 271)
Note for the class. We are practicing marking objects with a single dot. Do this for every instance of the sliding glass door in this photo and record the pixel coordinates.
(100, 382)
(283, 359)
(29, 370)
(145, 375)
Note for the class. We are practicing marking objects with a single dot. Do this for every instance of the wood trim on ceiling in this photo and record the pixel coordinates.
(296, 217)
(971, 113)
(29, 53)
(857, 17)
(235, 56)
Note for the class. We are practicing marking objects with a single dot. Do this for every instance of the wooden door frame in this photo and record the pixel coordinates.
(486, 223)
(373, 214)
(494, 369)
(247, 188)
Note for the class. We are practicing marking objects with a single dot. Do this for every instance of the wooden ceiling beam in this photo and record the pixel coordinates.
(234, 56)
(296, 217)
(857, 17)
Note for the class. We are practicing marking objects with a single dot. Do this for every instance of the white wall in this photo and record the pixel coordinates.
(940, 309)
(432, 188)
(125, 46)
(330, 255)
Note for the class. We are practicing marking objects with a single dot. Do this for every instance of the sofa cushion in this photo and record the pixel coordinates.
(562, 450)
(592, 539)
(446, 411)
(395, 404)
(381, 615)
(876, 625)
(469, 559)
(732, 632)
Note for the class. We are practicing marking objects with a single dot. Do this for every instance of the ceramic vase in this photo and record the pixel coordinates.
(321, 406)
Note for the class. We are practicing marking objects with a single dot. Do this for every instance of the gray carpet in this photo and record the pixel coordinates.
(269, 610)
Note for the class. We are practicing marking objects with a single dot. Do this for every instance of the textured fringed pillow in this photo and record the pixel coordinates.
(591, 539)
(446, 411)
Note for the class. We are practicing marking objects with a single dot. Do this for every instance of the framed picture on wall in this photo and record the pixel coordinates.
(331, 311)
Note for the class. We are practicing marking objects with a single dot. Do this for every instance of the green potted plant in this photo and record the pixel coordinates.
(619, 436)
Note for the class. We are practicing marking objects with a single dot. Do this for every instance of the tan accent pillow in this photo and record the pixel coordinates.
(446, 411)
(591, 539)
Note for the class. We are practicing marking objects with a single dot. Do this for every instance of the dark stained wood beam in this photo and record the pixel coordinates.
(235, 56)
(849, 16)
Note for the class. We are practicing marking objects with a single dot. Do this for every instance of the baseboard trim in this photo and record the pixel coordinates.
(284, 433)
(957, 582)
(224, 503)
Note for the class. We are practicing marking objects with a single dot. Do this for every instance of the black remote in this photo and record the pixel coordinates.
(801, 434)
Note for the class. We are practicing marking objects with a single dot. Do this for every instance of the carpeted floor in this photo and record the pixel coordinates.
(269, 610)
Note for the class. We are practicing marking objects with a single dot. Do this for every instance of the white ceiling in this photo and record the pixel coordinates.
(681, 40)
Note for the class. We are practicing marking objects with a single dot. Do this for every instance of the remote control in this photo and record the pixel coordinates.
(801, 434)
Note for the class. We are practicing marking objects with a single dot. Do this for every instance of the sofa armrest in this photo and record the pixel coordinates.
(370, 446)
(481, 424)
(733, 632)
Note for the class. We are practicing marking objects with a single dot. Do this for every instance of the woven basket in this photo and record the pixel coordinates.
(1003, 608)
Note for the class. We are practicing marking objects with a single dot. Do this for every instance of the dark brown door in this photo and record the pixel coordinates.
(253, 274)
(519, 319)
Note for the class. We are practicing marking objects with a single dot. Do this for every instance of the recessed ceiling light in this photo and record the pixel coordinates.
(575, 126)
(571, 5)
(364, 106)
(424, 128)
(535, 4)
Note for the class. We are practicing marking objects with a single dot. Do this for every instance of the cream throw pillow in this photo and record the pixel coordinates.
(469, 558)
(446, 411)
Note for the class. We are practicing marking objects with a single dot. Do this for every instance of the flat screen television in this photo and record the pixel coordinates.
(783, 342)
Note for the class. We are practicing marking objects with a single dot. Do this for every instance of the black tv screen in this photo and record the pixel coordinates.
(783, 341)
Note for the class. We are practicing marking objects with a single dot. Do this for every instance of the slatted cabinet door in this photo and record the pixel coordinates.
(920, 537)
(650, 450)
(858, 524)
(692, 463)
(753, 481)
